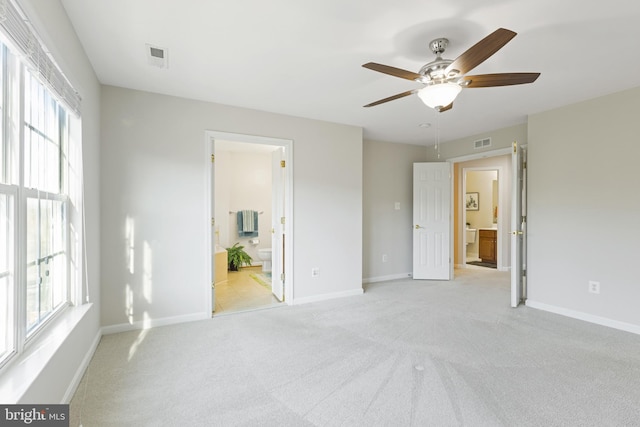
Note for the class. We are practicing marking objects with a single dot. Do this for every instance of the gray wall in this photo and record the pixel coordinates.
(388, 175)
(584, 208)
(500, 138)
(154, 172)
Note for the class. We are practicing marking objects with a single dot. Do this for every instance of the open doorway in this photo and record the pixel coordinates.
(249, 198)
(511, 212)
(480, 216)
(492, 212)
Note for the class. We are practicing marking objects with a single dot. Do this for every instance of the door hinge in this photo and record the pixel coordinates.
(213, 158)
(281, 220)
(282, 277)
(524, 165)
(524, 273)
(515, 147)
(282, 163)
(524, 219)
(213, 222)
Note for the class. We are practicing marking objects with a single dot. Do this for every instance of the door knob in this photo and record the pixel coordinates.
(516, 233)
(418, 227)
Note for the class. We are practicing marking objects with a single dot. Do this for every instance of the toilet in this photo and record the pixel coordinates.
(471, 235)
(265, 255)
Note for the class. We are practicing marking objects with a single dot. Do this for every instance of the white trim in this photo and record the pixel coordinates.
(603, 321)
(325, 297)
(209, 240)
(26, 366)
(152, 323)
(376, 279)
(75, 381)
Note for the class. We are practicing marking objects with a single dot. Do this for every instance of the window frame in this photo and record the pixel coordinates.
(19, 334)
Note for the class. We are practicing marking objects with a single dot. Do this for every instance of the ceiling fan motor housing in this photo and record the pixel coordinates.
(438, 46)
(434, 71)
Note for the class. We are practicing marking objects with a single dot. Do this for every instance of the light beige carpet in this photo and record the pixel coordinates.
(405, 353)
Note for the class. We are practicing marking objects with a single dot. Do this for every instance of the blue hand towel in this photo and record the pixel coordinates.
(247, 223)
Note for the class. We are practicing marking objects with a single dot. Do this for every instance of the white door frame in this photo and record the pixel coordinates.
(485, 154)
(500, 224)
(210, 137)
(461, 187)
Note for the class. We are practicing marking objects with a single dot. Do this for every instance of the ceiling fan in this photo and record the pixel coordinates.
(443, 79)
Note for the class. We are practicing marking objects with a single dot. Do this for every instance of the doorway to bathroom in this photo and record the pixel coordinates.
(480, 216)
(250, 233)
(511, 215)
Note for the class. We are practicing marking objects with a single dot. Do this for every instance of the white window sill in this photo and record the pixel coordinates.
(24, 369)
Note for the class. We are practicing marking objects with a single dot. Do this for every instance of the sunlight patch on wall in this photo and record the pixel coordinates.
(130, 243)
(147, 272)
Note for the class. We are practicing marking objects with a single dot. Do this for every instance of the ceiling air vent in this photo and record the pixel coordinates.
(157, 56)
(482, 143)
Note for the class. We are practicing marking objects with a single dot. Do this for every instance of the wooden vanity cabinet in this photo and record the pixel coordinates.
(487, 244)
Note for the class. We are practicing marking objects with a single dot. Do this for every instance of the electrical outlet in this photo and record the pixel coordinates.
(594, 287)
(385, 258)
(397, 206)
(315, 272)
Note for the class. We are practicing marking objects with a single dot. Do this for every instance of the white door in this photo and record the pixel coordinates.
(517, 226)
(212, 242)
(277, 219)
(431, 221)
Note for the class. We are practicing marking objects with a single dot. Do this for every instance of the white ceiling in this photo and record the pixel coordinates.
(303, 57)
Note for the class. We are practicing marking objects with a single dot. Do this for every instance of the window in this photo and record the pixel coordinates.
(40, 193)
(6, 275)
(44, 164)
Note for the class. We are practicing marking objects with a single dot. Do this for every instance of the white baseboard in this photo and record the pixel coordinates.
(387, 278)
(324, 297)
(152, 323)
(603, 321)
(75, 381)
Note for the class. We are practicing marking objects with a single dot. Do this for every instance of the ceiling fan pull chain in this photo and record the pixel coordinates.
(437, 147)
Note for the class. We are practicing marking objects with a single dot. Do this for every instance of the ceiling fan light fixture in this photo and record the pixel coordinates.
(439, 95)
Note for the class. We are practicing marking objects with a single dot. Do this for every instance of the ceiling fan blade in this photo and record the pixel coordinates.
(393, 71)
(480, 51)
(445, 108)
(500, 79)
(391, 98)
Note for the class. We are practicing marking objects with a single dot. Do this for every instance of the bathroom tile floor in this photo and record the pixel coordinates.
(242, 292)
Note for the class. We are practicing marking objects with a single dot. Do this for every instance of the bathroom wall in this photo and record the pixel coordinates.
(481, 182)
(243, 181)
